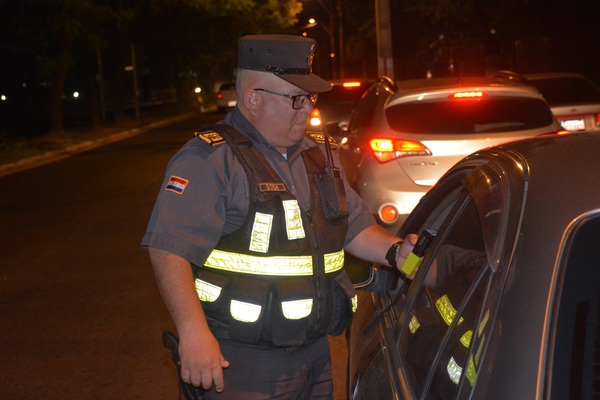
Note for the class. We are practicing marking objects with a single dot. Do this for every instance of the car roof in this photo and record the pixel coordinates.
(552, 75)
(451, 84)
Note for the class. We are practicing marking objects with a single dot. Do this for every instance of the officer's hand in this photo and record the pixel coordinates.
(407, 246)
(201, 361)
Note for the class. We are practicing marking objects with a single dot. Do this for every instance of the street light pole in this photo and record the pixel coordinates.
(385, 59)
(330, 32)
(340, 38)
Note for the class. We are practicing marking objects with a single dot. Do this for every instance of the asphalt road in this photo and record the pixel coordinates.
(80, 314)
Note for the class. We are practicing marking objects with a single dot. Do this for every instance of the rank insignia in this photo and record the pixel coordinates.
(271, 187)
(210, 137)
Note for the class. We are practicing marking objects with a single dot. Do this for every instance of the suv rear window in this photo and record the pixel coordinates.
(470, 116)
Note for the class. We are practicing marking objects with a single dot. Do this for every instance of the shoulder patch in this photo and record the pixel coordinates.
(210, 137)
(319, 137)
(176, 184)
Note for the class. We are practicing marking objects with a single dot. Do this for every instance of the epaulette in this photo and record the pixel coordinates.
(319, 137)
(210, 137)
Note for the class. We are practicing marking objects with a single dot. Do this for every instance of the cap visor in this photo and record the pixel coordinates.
(311, 83)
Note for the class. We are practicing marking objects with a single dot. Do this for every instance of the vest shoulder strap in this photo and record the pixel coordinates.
(259, 172)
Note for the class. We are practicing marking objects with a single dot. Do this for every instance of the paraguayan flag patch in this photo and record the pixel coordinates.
(176, 184)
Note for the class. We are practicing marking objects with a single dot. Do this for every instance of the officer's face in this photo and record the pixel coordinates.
(280, 124)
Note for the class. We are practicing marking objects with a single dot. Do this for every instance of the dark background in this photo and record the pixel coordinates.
(53, 48)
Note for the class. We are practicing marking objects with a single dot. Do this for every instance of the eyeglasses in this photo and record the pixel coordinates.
(298, 101)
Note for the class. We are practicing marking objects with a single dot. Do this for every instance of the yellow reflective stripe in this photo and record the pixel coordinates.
(483, 322)
(414, 324)
(296, 309)
(245, 312)
(471, 372)
(446, 310)
(275, 265)
(354, 303)
(261, 232)
(466, 338)
(293, 220)
(334, 261)
(454, 370)
(206, 291)
(479, 350)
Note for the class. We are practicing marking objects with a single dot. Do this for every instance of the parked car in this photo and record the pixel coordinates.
(226, 96)
(506, 302)
(334, 108)
(573, 98)
(404, 135)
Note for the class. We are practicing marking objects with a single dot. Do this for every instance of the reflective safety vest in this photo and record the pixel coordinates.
(279, 277)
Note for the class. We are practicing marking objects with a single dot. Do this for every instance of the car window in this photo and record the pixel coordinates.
(575, 348)
(375, 383)
(469, 115)
(436, 338)
(365, 110)
(567, 91)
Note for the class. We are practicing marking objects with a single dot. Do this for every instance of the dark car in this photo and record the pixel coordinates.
(506, 302)
(334, 108)
(573, 98)
(226, 97)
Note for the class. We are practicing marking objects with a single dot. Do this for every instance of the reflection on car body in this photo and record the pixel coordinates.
(506, 303)
(404, 135)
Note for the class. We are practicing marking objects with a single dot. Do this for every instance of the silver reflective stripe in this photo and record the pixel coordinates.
(454, 370)
(296, 309)
(293, 220)
(245, 312)
(275, 265)
(261, 232)
(206, 291)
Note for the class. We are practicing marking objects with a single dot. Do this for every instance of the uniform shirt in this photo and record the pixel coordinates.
(205, 194)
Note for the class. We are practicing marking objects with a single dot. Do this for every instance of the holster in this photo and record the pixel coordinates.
(189, 392)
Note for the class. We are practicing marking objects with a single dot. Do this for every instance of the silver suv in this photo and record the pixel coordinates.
(404, 135)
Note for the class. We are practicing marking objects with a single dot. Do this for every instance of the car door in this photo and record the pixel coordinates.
(430, 334)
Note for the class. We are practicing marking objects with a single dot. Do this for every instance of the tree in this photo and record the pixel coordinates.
(46, 31)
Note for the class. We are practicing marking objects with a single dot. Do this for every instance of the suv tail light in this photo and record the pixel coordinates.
(315, 117)
(389, 149)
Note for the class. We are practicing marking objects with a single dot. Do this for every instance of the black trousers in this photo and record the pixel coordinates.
(259, 372)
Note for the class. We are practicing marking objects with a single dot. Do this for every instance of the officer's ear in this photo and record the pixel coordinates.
(252, 101)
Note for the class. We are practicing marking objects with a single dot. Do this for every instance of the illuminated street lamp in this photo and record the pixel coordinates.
(334, 20)
(312, 23)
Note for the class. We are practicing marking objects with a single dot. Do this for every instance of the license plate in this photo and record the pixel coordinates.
(573, 124)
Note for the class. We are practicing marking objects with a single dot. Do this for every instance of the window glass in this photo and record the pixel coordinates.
(470, 115)
(562, 91)
(375, 383)
(438, 334)
(576, 348)
(363, 117)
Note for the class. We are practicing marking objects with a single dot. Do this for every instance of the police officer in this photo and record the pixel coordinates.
(248, 233)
